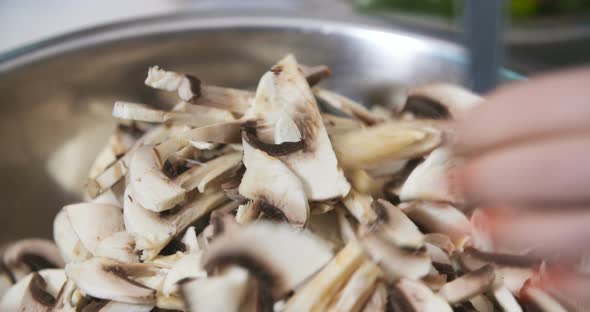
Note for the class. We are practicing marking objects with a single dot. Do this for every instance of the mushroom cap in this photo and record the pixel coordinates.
(278, 255)
(440, 101)
(31, 255)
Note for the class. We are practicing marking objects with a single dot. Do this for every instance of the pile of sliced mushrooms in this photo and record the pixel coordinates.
(289, 198)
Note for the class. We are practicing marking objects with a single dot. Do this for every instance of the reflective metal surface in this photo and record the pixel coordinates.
(56, 98)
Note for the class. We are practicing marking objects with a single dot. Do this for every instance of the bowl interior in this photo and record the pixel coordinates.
(56, 99)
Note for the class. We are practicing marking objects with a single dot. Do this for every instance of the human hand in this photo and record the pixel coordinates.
(527, 151)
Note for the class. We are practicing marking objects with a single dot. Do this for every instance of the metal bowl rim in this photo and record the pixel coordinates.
(168, 23)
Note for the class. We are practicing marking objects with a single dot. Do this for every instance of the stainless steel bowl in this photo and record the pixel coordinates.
(56, 96)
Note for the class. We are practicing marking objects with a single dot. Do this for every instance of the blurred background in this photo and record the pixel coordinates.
(540, 34)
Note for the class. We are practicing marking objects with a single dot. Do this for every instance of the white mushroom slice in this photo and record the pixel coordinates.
(200, 176)
(413, 296)
(113, 280)
(113, 306)
(347, 230)
(358, 289)
(396, 262)
(314, 74)
(316, 293)
(119, 143)
(326, 227)
(433, 180)
(29, 255)
(187, 86)
(336, 125)
(36, 291)
(233, 100)
(66, 239)
(384, 143)
(153, 190)
(359, 205)
(114, 173)
(436, 217)
(94, 222)
(511, 270)
(395, 226)
(227, 133)
(440, 101)
(468, 285)
(153, 231)
(537, 299)
(225, 292)
(481, 303)
(119, 246)
(363, 182)
(109, 198)
(190, 240)
(441, 241)
(188, 266)
(278, 255)
(196, 116)
(65, 301)
(378, 300)
(248, 212)
(505, 299)
(348, 106)
(270, 181)
(315, 163)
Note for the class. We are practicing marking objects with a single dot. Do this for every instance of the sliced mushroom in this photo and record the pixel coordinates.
(396, 262)
(248, 212)
(511, 270)
(153, 190)
(153, 231)
(315, 164)
(189, 240)
(118, 144)
(113, 306)
(6, 279)
(66, 239)
(187, 86)
(347, 106)
(315, 74)
(436, 217)
(317, 292)
(233, 100)
(119, 246)
(270, 181)
(113, 280)
(326, 227)
(439, 101)
(505, 299)
(413, 296)
(94, 222)
(336, 125)
(31, 255)
(347, 229)
(481, 303)
(358, 289)
(363, 182)
(65, 300)
(278, 255)
(189, 266)
(359, 205)
(227, 133)
(199, 176)
(468, 285)
(225, 292)
(433, 180)
(384, 143)
(36, 291)
(378, 300)
(113, 174)
(196, 116)
(395, 226)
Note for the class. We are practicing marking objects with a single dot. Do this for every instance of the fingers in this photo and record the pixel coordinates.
(551, 172)
(552, 234)
(543, 106)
